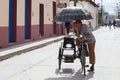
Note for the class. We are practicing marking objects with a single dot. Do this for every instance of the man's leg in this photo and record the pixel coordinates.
(91, 48)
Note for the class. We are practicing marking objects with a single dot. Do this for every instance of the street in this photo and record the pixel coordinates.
(42, 64)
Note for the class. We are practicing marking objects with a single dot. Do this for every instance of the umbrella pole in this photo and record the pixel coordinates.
(74, 31)
(74, 2)
(73, 26)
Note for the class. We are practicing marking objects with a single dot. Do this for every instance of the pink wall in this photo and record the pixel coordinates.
(59, 29)
(20, 34)
(35, 32)
(48, 32)
(3, 36)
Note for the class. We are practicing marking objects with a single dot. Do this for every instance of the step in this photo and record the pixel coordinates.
(68, 57)
(68, 61)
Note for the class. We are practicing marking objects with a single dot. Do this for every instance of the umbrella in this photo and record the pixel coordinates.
(72, 13)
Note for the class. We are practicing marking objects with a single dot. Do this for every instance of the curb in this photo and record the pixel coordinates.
(7, 56)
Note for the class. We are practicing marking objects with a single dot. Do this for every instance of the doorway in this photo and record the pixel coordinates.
(27, 28)
(54, 13)
(12, 26)
(41, 19)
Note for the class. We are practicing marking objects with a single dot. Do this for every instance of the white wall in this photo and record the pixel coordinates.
(91, 9)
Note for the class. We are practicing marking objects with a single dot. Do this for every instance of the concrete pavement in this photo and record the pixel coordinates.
(107, 62)
(42, 64)
(9, 52)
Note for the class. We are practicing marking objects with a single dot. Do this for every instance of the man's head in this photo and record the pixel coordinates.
(78, 22)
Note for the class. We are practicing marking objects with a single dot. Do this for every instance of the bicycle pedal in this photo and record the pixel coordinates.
(86, 65)
(69, 57)
(68, 61)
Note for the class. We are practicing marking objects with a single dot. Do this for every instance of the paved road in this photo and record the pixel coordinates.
(41, 64)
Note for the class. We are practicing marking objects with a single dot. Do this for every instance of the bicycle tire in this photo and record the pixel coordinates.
(60, 61)
(60, 58)
(83, 61)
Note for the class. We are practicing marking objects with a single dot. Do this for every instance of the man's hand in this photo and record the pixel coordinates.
(82, 39)
(77, 32)
(87, 35)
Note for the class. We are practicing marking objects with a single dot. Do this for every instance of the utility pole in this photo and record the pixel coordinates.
(75, 1)
(101, 13)
(119, 10)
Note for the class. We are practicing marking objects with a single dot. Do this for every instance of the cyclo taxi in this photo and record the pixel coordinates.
(69, 44)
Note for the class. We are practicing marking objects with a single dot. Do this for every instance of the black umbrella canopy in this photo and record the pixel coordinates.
(72, 13)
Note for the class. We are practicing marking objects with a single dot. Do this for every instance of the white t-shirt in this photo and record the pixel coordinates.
(86, 30)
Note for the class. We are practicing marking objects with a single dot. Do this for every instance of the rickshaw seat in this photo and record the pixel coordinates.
(68, 40)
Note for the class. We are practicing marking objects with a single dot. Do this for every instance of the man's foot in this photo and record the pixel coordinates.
(91, 68)
(87, 65)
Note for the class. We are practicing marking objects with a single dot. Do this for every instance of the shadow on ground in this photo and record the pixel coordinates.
(70, 74)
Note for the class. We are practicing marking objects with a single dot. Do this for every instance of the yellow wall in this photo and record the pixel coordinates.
(48, 11)
(4, 12)
(35, 12)
(20, 12)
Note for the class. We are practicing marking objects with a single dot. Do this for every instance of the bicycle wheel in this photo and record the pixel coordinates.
(59, 64)
(60, 58)
(83, 61)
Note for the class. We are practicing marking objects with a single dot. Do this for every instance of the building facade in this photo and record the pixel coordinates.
(91, 7)
(27, 20)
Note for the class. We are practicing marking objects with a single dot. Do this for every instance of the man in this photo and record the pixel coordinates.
(85, 32)
(67, 26)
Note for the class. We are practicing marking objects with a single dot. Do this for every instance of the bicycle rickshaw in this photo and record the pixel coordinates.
(71, 14)
(70, 58)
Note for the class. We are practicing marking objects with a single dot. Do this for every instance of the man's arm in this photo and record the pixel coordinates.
(87, 35)
(77, 32)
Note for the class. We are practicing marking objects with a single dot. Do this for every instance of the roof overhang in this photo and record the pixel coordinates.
(90, 1)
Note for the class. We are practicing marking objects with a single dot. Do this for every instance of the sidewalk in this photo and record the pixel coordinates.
(9, 52)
